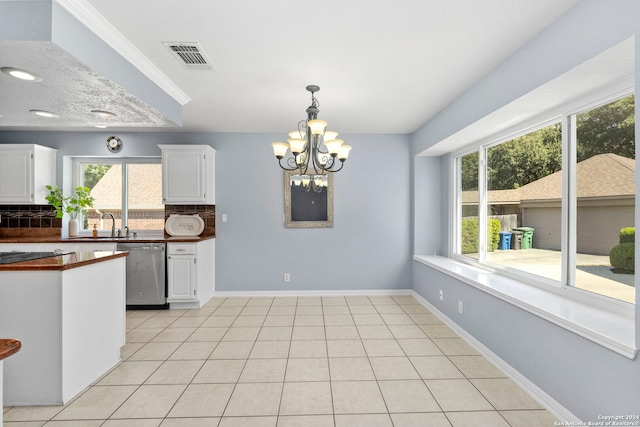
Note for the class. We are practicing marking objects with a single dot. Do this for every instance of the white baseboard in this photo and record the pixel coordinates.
(555, 408)
(294, 293)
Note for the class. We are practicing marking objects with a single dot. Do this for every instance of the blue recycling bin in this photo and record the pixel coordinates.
(505, 240)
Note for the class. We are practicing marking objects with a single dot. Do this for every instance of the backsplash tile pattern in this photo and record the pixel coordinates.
(29, 216)
(43, 216)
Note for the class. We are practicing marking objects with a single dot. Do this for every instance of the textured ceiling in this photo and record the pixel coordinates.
(68, 88)
(384, 66)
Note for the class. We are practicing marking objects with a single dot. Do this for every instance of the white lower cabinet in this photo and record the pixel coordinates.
(190, 273)
(181, 272)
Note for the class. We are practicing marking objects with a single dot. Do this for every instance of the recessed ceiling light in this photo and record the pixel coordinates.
(103, 114)
(100, 126)
(43, 113)
(21, 74)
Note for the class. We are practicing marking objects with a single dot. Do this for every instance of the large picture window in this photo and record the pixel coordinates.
(555, 204)
(131, 190)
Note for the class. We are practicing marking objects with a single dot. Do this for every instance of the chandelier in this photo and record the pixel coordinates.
(312, 144)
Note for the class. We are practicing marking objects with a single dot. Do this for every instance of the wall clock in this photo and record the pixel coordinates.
(114, 144)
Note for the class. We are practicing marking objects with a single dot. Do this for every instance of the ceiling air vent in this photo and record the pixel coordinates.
(190, 55)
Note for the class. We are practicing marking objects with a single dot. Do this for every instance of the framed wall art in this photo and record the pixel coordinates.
(308, 200)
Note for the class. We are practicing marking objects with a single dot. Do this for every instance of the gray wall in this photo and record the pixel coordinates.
(368, 248)
(584, 377)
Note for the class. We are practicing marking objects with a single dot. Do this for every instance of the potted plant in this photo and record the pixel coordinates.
(72, 205)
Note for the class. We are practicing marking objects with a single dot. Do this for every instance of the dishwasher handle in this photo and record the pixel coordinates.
(140, 248)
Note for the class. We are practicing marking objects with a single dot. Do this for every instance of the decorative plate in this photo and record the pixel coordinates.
(184, 225)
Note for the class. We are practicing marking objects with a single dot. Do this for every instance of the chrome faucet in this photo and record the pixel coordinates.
(113, 223)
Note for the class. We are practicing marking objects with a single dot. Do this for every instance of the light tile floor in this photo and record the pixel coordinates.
(309, 361)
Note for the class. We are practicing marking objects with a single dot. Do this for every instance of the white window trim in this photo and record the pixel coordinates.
(123, 161)
(602, 319)
(569, 210)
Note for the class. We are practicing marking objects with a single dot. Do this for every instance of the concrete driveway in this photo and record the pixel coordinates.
(593, 272)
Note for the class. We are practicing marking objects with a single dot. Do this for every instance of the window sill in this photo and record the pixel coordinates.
(614, 331)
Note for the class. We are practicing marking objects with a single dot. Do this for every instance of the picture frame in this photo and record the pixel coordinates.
(308, 200)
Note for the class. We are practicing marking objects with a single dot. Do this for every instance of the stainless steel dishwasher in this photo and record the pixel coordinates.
(146, 272)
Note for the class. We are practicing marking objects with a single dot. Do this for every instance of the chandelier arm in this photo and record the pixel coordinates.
(336, 170)
(302, 128)
(327, 166)
(291, 164)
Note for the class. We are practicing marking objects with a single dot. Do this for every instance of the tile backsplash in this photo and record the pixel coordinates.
(28, 216)
(43, 216)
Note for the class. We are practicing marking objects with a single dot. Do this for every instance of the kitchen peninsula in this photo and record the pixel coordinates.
(69, 312)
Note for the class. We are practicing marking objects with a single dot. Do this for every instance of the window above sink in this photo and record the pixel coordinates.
(129, 188)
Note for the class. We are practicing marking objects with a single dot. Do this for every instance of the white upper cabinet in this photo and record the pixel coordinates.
(25, 169)
(188, 174)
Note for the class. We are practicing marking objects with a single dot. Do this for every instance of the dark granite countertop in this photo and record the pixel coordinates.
(63, 262)
(8, 347)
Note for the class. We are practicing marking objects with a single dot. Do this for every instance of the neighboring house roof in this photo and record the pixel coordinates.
(496, 197)
(145, 189)
(603, 175)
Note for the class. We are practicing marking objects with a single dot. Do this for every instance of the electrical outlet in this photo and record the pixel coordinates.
(460, 307)
(441, 295)
(287, 277)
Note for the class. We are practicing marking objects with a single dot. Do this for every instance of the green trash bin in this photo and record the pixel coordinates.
(527, 236)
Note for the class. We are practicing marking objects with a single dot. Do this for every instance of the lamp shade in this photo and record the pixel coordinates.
(343, 153)
(333, 146)
(280, 149)
(329, 135)
(297, 134)
(317, 126)
(296, 145)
